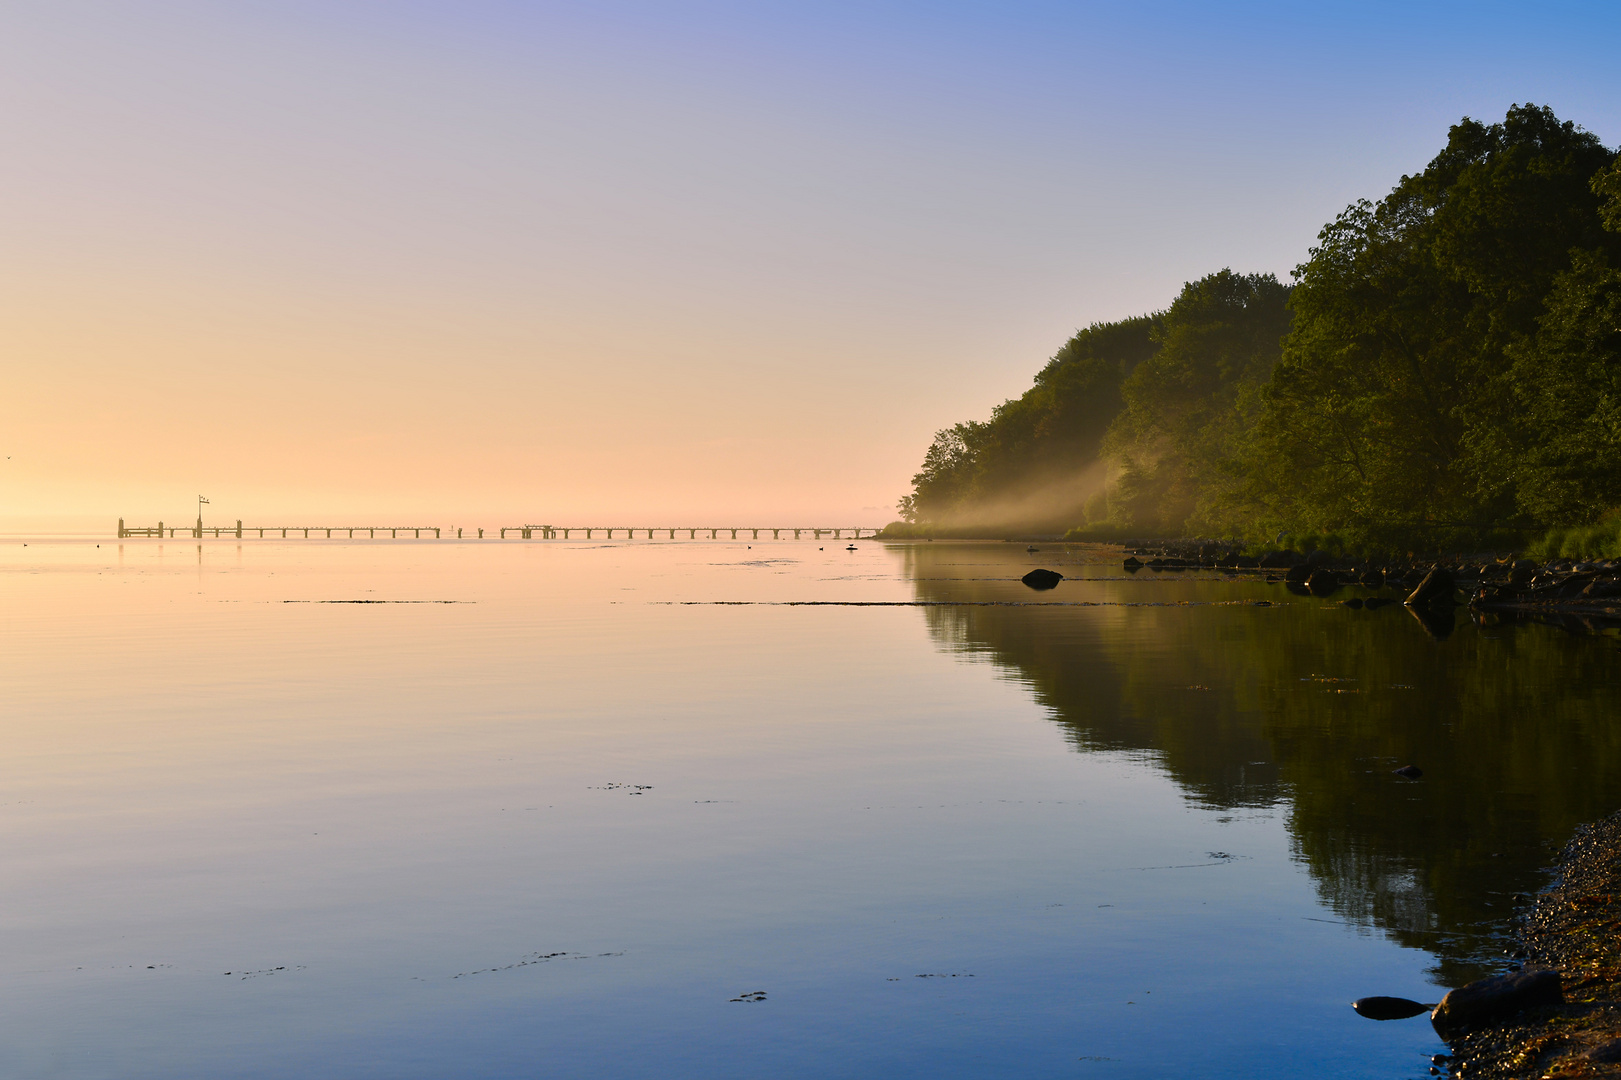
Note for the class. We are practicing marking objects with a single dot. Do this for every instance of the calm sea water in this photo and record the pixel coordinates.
(639, 809)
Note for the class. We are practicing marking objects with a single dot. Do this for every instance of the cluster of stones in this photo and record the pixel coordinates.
(1318, 573)
(1566, 583)
(1501, 583)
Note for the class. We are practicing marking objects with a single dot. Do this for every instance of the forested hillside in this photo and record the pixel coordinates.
(1446, 362)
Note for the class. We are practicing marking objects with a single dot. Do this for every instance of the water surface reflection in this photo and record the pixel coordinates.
(1311, 705)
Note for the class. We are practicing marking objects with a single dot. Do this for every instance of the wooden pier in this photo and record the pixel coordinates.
(198, 531)
(559, 532)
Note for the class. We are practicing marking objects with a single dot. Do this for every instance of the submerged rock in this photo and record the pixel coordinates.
(1411, 772)
(1496, 998)
(1388, 1008)
(1042, 579)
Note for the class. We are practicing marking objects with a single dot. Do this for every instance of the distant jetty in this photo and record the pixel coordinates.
(239, 531)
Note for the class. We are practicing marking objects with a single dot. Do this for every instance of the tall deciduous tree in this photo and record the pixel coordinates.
(1568, 387)
(1188, 409)
(1022, 465)
(1392, 409)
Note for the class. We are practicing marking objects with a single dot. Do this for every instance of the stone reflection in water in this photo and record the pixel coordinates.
(1310, 706)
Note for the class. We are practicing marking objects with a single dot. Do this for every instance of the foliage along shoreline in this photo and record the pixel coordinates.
(1443, 373)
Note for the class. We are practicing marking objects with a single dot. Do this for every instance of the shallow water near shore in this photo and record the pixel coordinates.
(702, 809)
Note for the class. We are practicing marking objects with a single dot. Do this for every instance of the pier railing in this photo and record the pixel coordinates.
(199, 530)
(559, 532)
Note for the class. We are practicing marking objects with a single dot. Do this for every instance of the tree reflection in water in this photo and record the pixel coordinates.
(1308, 706)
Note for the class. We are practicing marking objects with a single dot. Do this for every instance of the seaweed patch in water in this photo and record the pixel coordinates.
(264, 971)
(537, 958)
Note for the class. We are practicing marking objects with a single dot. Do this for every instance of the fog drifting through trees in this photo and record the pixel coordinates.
(1445, 368)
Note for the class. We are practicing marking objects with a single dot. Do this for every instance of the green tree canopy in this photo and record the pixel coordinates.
(1391, 409)
(1188, 408)
(1026, 462)
(1448, 361)
(1568, 387)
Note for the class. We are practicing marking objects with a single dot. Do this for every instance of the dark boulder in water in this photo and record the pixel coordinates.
(1435, 588)
(1354, 602)
(1323, 582)
(1388, 1008)
(1042, 579)
(1493, 999)
(1411, 772)
(1298, 573)
(1374, 603)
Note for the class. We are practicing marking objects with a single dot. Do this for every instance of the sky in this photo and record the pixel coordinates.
(486, 263)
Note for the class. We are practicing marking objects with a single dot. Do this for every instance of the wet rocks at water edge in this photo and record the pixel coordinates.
(1436, 588)
(1497, 998)
(1410, 772)
(1042, 579)
(1560, 589)
(1323, 582)
(1578, 595)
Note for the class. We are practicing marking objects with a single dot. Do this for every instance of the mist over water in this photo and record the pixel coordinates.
(722, 810)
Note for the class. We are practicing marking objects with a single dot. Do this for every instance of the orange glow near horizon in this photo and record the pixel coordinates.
(665, 263)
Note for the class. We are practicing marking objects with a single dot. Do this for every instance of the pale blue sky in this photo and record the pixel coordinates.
(771, 247)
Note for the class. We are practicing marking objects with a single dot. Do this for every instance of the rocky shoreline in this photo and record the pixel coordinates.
(1573, 928)
(1580, 596)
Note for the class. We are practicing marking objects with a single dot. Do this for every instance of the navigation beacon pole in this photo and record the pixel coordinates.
(201, 502)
